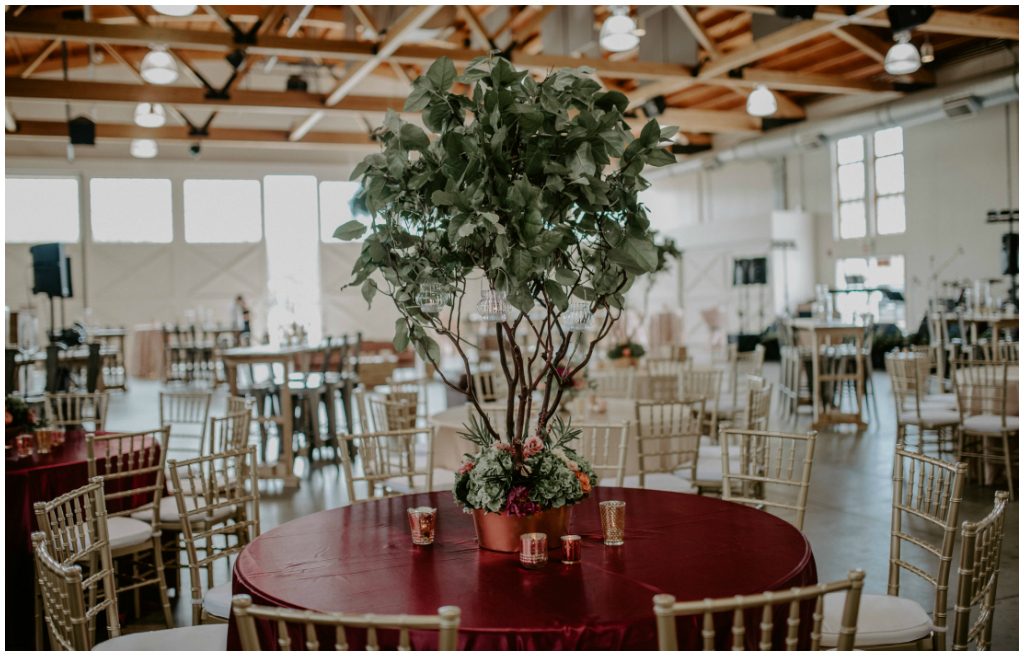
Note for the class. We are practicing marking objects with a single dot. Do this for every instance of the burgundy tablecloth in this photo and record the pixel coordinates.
(30, 480)
(359, 559)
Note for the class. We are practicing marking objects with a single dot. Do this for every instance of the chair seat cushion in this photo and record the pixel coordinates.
(990, 424)
(931, 416)
(217, 601)
(882, 620)
(726, 407)
(205, 637)
(948, 400)
(127, 532)
(660, 481)
(169, 512)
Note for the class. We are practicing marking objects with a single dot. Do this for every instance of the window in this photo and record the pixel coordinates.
(336, 208)
(132, 210)
(874, 285)
(41, 210)
(223, 211)
(870, 198)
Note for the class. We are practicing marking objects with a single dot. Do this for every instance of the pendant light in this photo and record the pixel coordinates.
(927, 52)
(158, 66)
(143, 148)
(178, 11)
(150, 115)
(903, 57)
(761, 102)
(619, 32)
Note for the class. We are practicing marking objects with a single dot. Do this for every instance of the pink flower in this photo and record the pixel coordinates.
(519, 504)
(532, 446)
(504, 446)
(466, 467)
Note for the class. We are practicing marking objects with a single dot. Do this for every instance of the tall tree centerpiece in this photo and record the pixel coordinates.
(525, 193)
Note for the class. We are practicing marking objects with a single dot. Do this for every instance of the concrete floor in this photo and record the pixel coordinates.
(847, 518)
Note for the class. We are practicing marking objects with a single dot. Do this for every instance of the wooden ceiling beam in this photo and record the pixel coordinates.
(476, 26)
(689, 18)
(705, 120)
(39, 58)
(262, 137)
(864, 40)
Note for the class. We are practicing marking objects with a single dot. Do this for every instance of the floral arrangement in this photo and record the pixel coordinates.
(626, 350)
(540, 473)
(19, 417)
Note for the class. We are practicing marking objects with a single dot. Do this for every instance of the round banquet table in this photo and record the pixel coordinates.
(43, 478)
(359, 559)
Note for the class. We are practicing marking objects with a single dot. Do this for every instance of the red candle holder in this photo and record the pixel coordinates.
(572, 549)
(533, 550)
(422, 524)
(23, 445)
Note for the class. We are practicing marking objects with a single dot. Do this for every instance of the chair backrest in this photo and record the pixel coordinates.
(131, 467)
(745, 609)
(981, 388)
(604, 447)
(385, 455)
(302, 626)
(77, 409)
(771, 470)
(63, 595)
(925, 490)
(668, 435)
(217, 497)
(908, 374)
(74, 527)
(229, 433)
(701, 383)
(489, 386)
(394, 410)
(615, 383)
(981, 547)
(741, 366)
(758, 410)
(186, 412)
(1002, 351)
(237, 404)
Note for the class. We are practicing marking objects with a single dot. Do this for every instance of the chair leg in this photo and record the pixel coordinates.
(1008, 462)
(162, 583)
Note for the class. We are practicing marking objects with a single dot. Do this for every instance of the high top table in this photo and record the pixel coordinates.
(824, 335)
(359, 559)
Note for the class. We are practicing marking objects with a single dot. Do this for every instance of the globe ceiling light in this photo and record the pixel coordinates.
(619, 32)
(903, 57)
(159, 67)
(761, 102)
(150, 115)
(143, 148)
(175, 10)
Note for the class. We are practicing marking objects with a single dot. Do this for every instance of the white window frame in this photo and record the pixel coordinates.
(871, 195)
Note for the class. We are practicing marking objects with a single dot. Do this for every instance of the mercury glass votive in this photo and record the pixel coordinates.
(422, 524)
(23, 445)
(572, 549)
(577, 317)
(493, 305)
(58, 437)
(44, 438)
(533, 550)
(613, 522)
(432, 298)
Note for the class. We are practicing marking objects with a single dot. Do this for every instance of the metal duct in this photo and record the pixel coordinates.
(991, 90)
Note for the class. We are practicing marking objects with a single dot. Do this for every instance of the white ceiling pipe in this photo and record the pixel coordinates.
(990, 90)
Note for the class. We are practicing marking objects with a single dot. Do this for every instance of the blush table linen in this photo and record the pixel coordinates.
(359, 559)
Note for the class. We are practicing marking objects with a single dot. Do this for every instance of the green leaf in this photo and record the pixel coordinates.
(612, 99)
(444, 198)
(350, 230)
(668, 132)
(369, 290)
(636, 255)
(651, 133)
(401, 340)
(428, 349)
(419, 98)
(412, 137)
(441, 74)
(556, 294)
(659, 157)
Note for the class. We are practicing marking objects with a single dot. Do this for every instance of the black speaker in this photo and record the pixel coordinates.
(1009, 253)
(51, 271)
(82, 131)
(758, 271)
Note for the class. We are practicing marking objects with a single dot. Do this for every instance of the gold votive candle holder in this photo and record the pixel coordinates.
(533, 550)
(44, 439)
(422, 524)
(23, 445)
(58, 437)
(613, 522)
(572, 549)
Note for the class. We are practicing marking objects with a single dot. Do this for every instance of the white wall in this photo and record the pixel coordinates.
(128, 284)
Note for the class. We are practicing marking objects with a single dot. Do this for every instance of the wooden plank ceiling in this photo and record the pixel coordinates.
(361, 60)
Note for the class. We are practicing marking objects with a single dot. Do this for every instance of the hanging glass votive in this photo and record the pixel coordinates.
(537, 313)
(432, 298)
(493, 305)
(577, 317)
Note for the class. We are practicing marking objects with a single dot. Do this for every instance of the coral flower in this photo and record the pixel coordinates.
(533, 445)
(584, 481)
(8, 418)
(466, 467)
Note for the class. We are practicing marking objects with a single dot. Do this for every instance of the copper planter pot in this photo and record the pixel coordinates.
(500, 532)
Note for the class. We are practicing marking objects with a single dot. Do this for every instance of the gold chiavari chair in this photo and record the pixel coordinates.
(186, 412)
(986, 425)
(980, 551)
(386, 462)
(238, 403)
(741, 367)
(489, 386)
(908, 375)
(744, 610)
(302, 625)
(705, 384)
(660, 380)
(126, 462)
(668, 439)
(67, 614)
(76, 528)
(755, 416)
(220, 508)
(229, 433)
(1002, 351)
(772, 470)
(926, 499)
(794, 383)
(394, 410)
(604, 447)
(85, 409)
(617, 383)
